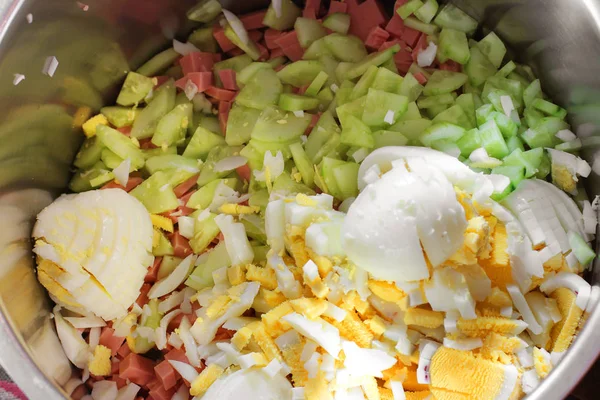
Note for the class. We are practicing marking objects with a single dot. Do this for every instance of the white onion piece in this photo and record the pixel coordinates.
(275, 164)
(18, 78)
(236, 241)
(90, 321)
(191, 350)
(521, 304)
(29, 18)
(186, 226)
(426, 57)
(570, 281)
(190, 90)
(507, 105)
(566, 135)
(237, 26)
(184, 48)
(369, 362)
(173, 280)
(94, 338)
(104, 390)
(50, 66)
(529, 381)
(186, 371)
(299, 114)
(480, 159)
(463, 344)
(75, 347)
(277, 7)
(128, 392)
(397, 390)
(230, 163)
(590, 218)
(122, 172)
(389, 117)
(161, 331)
(318, 330)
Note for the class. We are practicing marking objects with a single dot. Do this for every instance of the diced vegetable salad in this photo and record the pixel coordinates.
(287, 103)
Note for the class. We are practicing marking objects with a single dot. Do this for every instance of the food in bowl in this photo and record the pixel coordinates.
(322, 203)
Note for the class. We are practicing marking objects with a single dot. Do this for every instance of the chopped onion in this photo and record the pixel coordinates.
(463, 344)
(507, 105)
(333, 311)
(75, 347)
(334, 88)
(94, 338)
(190, 90)
(236, 241)
(427, 349)
(90, 321)
(104, 390)
(186, 371)
(29, 18)
(277, 7)
(529, 381)
(128, 392)
(397, 390)
(184, 48)
(237, 26)
(371, 362)
(175, 340)
(590, 218)
(566, 135)
(570, 281)
(83, 6)
(274, 163)
(50, 66)
(299, 113)
(230, 163)
(389, 117)
(186, 226)
(161, 331)
(426, 57)
(521, 304)
(287, 339)
(360, 154)
(18, 78)
(122, 172)
(173, 280)
(191, 350)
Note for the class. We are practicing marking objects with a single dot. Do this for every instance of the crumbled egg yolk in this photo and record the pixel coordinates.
(89, 127)
(99, 364)
(487, 370)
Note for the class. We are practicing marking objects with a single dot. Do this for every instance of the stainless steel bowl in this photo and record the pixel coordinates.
(560, 39)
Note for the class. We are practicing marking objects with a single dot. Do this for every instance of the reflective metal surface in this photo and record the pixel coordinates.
(560, 39)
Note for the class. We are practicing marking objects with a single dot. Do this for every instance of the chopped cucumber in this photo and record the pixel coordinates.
(202, 142)
(493, 48)
(135, 89)
(356, 133)
(387, 81)
(300, 73)
(409, 8)
(308, 31)
(338, 22)
(159, 62)
(202, 276)
(89, 153)
(441, 131)
(121, 145)
(382, 108)
(454, 45)
(262, 90)
(492, 140)
(346, 48)
(120, 116)
(479, 68)
(285, 19)
(172, 128)
(171, 161)
(204, 11)
(156, 194)
(205, 231)
(274, 125)
(444, 82)
(240, 124)
(303, 163)
(296, 102)
(162, 102)
(427, 11)
(376, 59)
(452, 17)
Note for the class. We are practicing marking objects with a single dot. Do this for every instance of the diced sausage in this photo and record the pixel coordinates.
(337, 7)
(365, 16)
(271, 36)
(203, 80)
(181, 189)
(411, 36)
(244, 172)
(223, 41)
(177, 355)
(166, 374)
(152, 274)
(196, 61)
(224, 108)
(132, 183)
(228, 79)
(124, 350)
(220, 94)
(377, 36)
(253, 20)
(108, 339)
(181, 246)
(137, 369)
(143, 297)
(162, 394)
